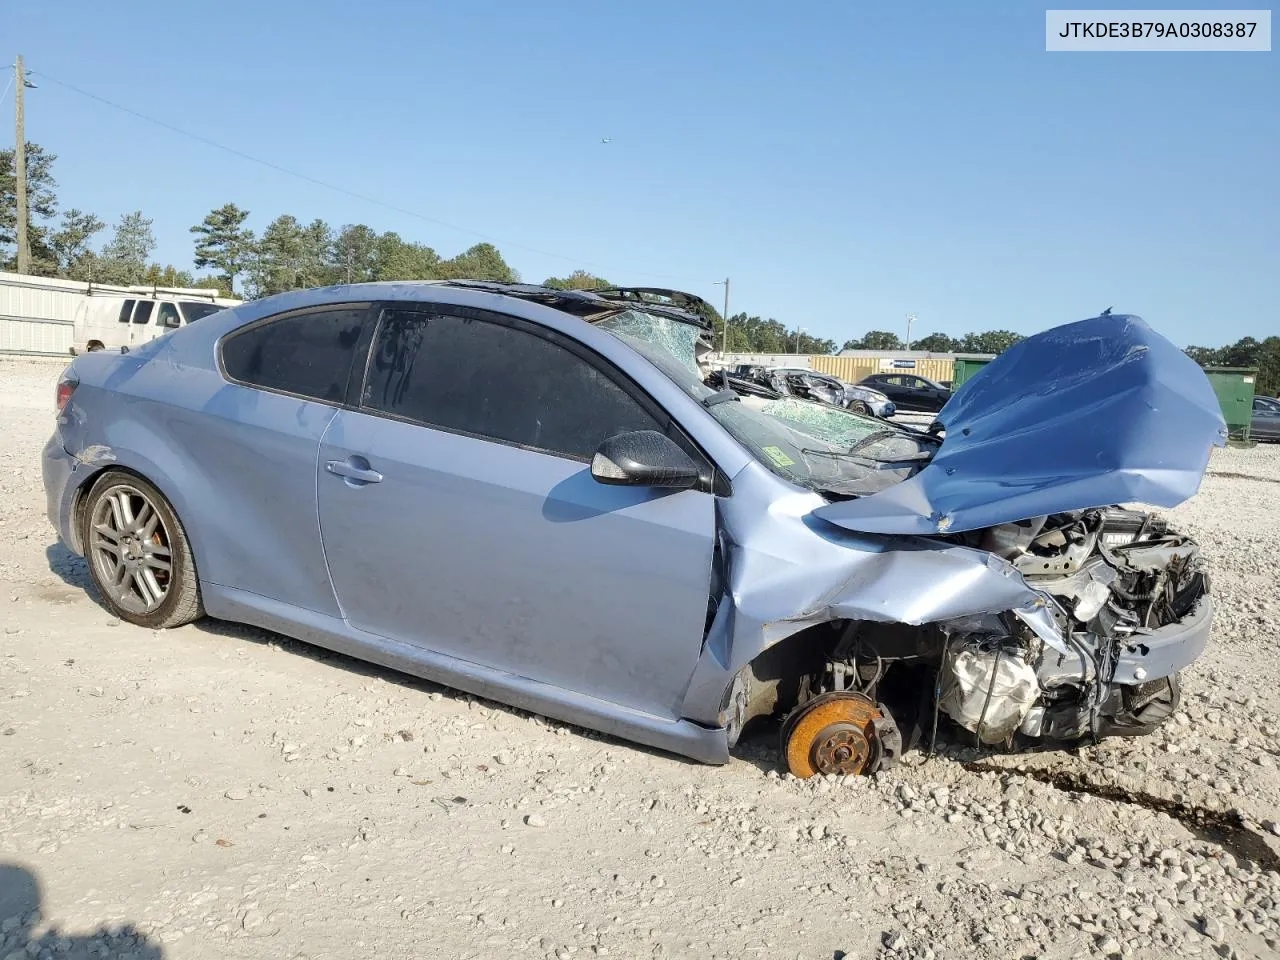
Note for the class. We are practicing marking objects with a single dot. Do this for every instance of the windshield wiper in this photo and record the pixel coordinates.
(875, 436)
(881, 463)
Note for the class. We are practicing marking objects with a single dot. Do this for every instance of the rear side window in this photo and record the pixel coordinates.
(126, 308)
(142, 313)
(496, 381)
(306, 354)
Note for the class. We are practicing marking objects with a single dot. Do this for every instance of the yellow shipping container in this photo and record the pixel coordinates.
(853, 369)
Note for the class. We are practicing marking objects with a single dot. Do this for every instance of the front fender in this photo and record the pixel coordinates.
(787, 570)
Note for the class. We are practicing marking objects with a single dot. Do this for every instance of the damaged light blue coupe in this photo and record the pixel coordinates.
(540, 496)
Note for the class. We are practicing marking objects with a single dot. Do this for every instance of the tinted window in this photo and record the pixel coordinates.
(496, 381)
(168, 316)
(126, 308)
(142, 313)
(308, 354)
(194, 311)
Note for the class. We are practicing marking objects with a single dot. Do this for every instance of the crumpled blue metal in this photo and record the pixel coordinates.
(1087, 414)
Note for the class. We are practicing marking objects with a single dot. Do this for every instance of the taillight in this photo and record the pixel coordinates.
(67, 384)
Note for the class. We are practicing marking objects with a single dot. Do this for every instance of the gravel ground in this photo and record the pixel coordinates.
(218, 791)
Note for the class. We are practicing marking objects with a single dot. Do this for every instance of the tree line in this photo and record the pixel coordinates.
(992, 341)
(288, 255)
(63, 246)
(291, 254)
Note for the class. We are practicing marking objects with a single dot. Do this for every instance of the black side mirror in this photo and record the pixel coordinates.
(644, 458)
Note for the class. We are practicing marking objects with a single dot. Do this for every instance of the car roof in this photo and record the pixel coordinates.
(593, 304)
(587, 305)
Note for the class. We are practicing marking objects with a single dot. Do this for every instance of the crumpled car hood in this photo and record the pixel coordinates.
(1084, 415)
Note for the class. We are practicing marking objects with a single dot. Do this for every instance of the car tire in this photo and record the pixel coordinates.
(138, 553)
(860, 406)
(94, 347)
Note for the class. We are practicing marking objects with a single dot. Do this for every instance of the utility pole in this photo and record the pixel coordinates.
(20, 168)
(724, 331)
(799, 330)
(911, 318)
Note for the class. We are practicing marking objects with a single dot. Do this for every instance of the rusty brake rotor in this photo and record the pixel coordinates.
(832, 733)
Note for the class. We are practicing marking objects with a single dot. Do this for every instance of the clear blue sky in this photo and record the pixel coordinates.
(845, 164)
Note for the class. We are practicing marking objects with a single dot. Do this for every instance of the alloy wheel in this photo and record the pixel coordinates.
(130, 548)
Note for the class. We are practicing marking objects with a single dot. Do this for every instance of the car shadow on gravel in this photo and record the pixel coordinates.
(73, 571)
(363, 668)
(21, 912)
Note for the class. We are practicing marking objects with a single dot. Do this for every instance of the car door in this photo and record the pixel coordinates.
(459, 514)
(1266, 420)
(896, 390)
(140, 328)
(255, 444)
(118, 336)
(926, 396)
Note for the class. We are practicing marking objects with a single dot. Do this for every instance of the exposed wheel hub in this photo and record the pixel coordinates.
(840, 748)
(833, 733)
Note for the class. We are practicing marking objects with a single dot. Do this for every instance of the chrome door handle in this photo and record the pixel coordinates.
(354, 469)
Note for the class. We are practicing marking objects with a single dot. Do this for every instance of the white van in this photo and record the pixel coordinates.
(51, 316)
(111, 322)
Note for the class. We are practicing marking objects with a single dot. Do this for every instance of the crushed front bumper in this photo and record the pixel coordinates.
(1166, 650)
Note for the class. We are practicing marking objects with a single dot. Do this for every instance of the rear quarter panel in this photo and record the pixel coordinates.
(238, 465)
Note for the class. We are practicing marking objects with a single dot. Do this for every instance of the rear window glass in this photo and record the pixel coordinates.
(307, 354)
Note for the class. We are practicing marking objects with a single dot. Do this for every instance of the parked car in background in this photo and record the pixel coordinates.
(863, 399)
(50, 315)
(910, 391)
(1266, 419)
(808, 385)
(532, 495)
(106, 322)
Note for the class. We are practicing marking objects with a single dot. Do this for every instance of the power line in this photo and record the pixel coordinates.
(343, 190)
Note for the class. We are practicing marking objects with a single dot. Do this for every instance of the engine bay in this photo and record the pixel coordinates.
(1127, 592)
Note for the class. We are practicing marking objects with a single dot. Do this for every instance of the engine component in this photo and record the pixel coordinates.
(845, 733)
(988, 687)
(1089, 587)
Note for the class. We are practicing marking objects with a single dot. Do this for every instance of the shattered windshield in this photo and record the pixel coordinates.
(818, 446)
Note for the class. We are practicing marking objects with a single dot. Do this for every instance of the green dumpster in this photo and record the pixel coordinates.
(967, 364)
(1234, 387)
